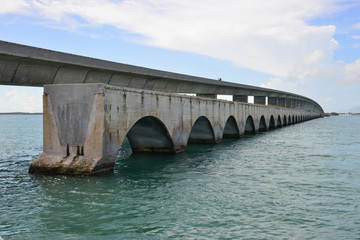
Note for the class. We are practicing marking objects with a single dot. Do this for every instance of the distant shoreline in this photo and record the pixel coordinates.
(20, 113)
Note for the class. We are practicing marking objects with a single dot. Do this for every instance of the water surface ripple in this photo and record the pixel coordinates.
(297, 182)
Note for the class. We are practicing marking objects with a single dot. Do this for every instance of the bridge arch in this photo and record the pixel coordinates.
(289, 122)
(231, 129)
(293, 119)
(149, 134)
(249, 125)
(278, 124)
(202, 131)
(272, 123)
(285, 121)
(262, 124)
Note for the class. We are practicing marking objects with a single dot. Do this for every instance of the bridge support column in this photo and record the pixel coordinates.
(260, 100)
(240, 98)
(73, 123)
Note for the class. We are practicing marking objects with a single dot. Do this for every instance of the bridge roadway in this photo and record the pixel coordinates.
(91, 106)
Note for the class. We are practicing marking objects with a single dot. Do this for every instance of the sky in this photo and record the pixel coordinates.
(308, 47)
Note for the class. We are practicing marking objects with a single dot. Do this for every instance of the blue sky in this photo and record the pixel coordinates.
(309, 47)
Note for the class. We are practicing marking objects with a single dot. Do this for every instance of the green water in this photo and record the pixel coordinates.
(297, 182)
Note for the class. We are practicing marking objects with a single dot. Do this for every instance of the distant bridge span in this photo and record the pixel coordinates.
(91, 105)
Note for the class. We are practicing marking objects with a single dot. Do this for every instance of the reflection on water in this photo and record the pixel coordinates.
(299, 181)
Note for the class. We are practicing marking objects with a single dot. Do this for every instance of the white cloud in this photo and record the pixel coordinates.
(13, 6)
(279, 83)
(267, 36)
(352, 72)
(357, 26)
(356, 37)
(20, 99)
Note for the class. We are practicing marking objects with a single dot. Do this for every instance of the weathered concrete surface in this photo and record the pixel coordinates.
(85, 124)
(73, 120)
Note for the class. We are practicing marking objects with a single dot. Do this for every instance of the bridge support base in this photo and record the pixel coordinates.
(71, 165)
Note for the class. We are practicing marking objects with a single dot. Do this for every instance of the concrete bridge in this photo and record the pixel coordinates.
(91, 106)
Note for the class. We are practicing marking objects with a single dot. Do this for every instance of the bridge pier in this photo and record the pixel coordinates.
(73, 131)
(86, 124)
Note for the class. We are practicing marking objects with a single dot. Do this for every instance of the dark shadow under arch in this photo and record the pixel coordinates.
(262, 124)
(289, 122)
(202, 131)
(279, 122)
(249, 125)
(149, 134)
(231, 129)
(272, 122)
(285, 121)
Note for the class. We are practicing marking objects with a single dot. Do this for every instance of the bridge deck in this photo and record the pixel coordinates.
(30, 66)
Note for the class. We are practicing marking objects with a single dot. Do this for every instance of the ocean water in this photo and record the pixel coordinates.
(297, 182)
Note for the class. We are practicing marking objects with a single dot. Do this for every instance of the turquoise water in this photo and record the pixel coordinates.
(297, 182)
